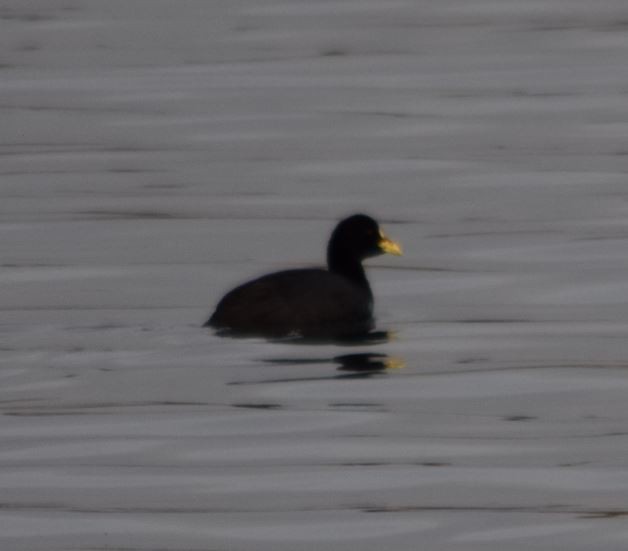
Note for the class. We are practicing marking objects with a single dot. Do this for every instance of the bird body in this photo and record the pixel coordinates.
(304, 301)
(311, 302)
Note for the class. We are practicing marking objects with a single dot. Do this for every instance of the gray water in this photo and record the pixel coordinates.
(155, 153)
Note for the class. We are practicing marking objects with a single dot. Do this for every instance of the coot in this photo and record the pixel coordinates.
(336, 302)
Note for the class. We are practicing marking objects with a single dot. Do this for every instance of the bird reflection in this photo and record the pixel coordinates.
(350, 366)
(358, 365)
(368, 363)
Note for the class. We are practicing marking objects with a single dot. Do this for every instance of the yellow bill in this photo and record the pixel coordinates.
(389, 246)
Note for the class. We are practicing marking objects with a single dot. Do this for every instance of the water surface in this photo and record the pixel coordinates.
(153, 155)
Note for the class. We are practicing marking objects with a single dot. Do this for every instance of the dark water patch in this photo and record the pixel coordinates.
(547, 509)
(42, 413)
(301, 379)
(616, 25)
(95, 408)
(384, 114)
(31, 171)
(29, 47)
(529, 367)
(239, 193)
(363, 374)
(498, 92)
(95, 110)
(360, 405)
(105, 326)
(16, 149)
(115, 509)
(518, 418)
(470, 361)
(379, 408)
(262, 406)
(609, 514)
(428, 464)
(131, 214)
(34, 265)
(134, 171)
(582, 513)
(491, 320)
(295, 361)
(334, 52)
(364, 464)
(25, 17)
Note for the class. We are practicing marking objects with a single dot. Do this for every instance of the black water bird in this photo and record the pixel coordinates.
(311, 302)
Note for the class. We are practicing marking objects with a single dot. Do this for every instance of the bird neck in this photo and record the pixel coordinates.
(346, 266)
